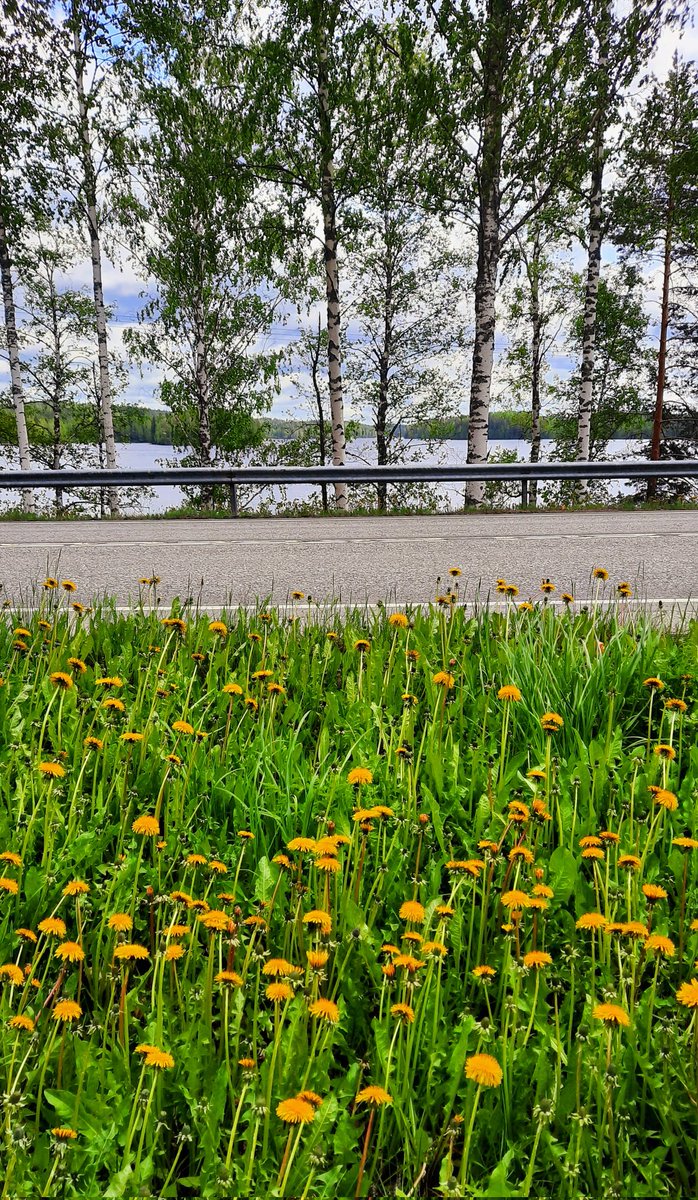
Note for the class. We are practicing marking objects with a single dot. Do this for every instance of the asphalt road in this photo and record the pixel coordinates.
(392, 559)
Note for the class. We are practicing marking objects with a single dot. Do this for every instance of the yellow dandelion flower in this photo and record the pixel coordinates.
(611, 1014)
(12, 972)
(665, 751)
(484, 1070)
(52, 926)
(61, 679)
(536, 959)
(399, 621)
(484, 972)
(318, 916)
(229, 978)
(688, 994)
(219, 627)
(412, 911)
(660, 944)
(130, 951)
(324, 1010)
(359, 776)
(278, 993)
(295, 1112)
(159, 1059)
(508, 692)
(76, 887)
(443, 679)
(120, 922)
(67, 1010)
(147, 826)
(591, 920)
(70, 952)
(375, 1096)
(52, 769)
(23, 1022)
(317, 959)
(8, 885)
(9, 856)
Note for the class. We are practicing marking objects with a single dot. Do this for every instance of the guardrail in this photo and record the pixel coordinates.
(360, 473)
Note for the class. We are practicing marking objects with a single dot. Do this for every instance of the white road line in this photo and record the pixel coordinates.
(232, 543)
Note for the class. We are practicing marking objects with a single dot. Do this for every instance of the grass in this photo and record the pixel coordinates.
(359, 904)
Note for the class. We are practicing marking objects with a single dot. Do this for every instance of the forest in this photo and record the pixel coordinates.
(411, 221)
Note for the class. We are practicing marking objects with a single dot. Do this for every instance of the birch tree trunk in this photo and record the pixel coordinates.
(329, 223)
(586, 397)
(89, 183)
(384, 381)
(315, 377)
(15, 371)
(594, 239)
(655, 452)
(488, 240)
(536, 363)
(203, 396)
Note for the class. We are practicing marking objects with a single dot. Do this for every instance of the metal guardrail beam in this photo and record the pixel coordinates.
(416, 473)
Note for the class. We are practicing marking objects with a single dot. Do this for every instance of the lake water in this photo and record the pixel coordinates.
(144, 454)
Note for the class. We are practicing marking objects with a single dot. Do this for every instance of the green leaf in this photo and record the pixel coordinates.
(563, 873)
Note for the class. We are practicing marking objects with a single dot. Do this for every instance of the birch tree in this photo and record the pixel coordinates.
(620, 45)
(201, 239)
(306, 102)
(500, 97)
(23, 36)
(86, 55)
(657, 206)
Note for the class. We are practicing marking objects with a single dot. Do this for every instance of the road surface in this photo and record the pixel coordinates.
(391, 559)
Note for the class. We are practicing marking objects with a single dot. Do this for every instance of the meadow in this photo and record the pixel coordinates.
(348, 903)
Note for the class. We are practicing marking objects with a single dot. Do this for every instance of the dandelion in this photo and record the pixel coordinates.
(536, 959)
(52, 927)
(218, 627)
(675, 705)
(146, 826)
(111, 681)
(484, 972)
(182, 727)
(131, 951)
(660, 944)
(592, 920)
(160, 1059)
(9, 856)
(120, 922)
(67, 1010)
(113, 704)
(653, 682)
(551, 722)
(279, 992)
(295, 1111)
(64, 1133)
(688, 994)
(70, 952)
(317, 959)
(229, 978)
(362, 645)
(600, 573)
(23, 1022)
(404, 1012)
(325, 1010)
(93, 743)
(398, 621)
(668, 753)
(280, 966)
(611, 1014)
(61, 679)
(320, 918)
(484, 1070)
(358, 776)
(666, 799)
(443, 679)
(412, 911)
(8, 885)
(629, 862)
(685, 843)
(76, 887)
(652, 892)
(12, 972)
(375, 1096)
(52, 769)
(508, 693)
(232, 689)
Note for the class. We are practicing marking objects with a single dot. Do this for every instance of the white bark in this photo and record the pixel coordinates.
(585, 406)
(483, 348)
(15, 370)
(329, 221)
(90, 197)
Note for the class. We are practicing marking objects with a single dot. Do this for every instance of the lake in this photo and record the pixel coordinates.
(144, 454)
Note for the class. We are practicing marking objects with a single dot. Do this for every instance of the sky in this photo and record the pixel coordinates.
(123, 288)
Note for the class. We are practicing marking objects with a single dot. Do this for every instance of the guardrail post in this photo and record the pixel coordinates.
(524, 493)
(234, 500)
